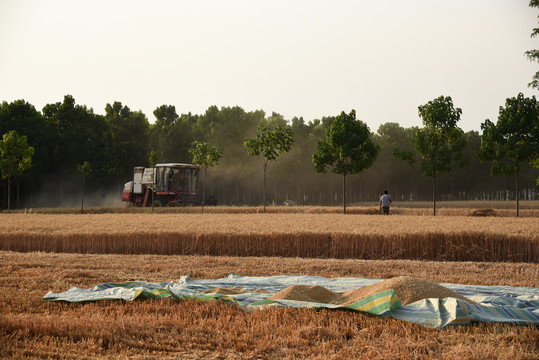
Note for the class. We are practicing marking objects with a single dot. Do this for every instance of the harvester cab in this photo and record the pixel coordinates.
(171, 184)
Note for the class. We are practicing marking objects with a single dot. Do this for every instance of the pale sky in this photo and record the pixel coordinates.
(298, 58)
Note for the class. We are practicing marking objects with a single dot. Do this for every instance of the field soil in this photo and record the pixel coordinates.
(156, 329)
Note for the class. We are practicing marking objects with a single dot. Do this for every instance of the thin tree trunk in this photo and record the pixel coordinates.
(517, 194)
(344, 193)
(265, 167)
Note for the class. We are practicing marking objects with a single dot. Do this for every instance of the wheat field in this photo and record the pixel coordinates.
(455, 238)
(52, 252)
(262, 223)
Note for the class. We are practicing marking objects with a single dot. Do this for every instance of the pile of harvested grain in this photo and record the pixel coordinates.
(316, 293)
(408, 289)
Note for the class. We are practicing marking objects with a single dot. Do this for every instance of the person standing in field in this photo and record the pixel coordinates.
(385, 202)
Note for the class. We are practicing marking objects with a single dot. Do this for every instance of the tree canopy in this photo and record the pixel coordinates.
(205, 155)
(348, 149)
(64, 134)
(129, 132)
(79, 135)
(533, 55)
(439, 142)
(514, 139)
(15, 158)
(269, 144)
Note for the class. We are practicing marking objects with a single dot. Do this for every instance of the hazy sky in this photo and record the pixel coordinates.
(297, 58)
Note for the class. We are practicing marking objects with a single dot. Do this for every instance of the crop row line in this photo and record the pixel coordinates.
(437, 246)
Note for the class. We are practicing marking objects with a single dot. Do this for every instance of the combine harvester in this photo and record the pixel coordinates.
(172, 184)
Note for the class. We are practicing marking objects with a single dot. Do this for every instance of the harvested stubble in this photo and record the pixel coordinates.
(290, 235)
(194, 330)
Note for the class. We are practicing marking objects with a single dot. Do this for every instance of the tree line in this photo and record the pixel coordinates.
(66, 135)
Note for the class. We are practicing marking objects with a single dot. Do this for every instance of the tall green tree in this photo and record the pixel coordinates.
(439, 142)
(227, 128)
(533, 55)
(268, 145)
(171, 134)
(514, 139)
(130, 132)
(15, 158)
(23, 117)
(205, 155)
(81, 136)
(85, 169)
(347, 150)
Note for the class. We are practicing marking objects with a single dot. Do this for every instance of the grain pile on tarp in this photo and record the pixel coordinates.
(423, 302)
(408, 289)
(316, 294)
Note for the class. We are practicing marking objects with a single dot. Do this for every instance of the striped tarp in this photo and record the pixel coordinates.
(503, 304)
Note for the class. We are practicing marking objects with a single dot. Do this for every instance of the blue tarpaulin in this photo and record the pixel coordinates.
(503, 304)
